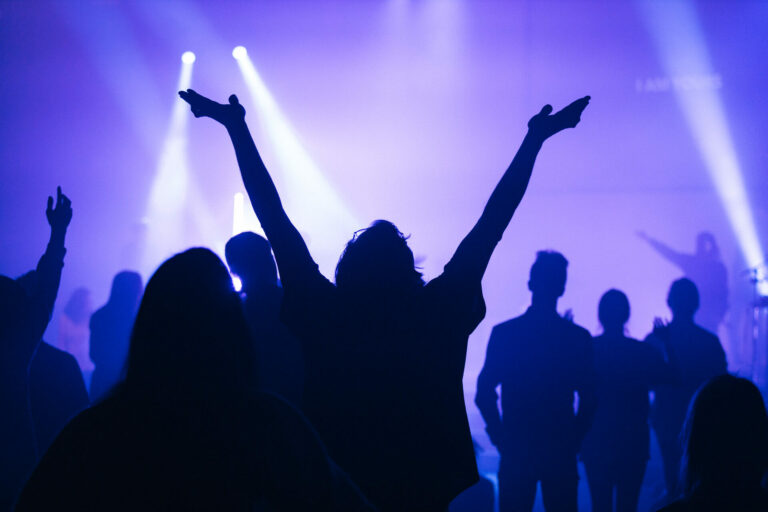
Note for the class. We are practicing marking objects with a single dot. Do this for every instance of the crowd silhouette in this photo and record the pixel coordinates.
(297, 392)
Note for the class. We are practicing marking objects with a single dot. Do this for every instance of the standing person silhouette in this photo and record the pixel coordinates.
(698, 356)
(111, 331)
(24, 317)
(184, 430)
(540, 360)
(280, 363)
(616, 450)
(707, 271)
(384, 351)
(726, 449)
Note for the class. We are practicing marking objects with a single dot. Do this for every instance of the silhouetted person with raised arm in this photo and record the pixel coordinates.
(280, 363)
(706, 269)
(24, 316)
(540, 360)
(726, 449)
(185, 430)
(111, 331)
(698, 356)
(617, 448)
(384, 351)
(57, 390)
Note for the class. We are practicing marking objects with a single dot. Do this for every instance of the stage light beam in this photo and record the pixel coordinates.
(310, 198)
(680, 43)
(188, 57)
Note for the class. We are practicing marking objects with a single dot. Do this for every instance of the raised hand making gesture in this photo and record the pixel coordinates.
(204, 107)
(545, 124)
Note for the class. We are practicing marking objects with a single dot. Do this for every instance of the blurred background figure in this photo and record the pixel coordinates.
(726, 449)
(111, 330)
(698, 356)
(73, 329)
(706, 269)
(617, 448)
(279, 358)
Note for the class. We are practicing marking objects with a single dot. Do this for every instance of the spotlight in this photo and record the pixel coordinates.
(239, 52)
(188, 57)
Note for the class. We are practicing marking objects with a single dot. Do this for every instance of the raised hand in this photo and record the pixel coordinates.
(204, 107)
(545, 124)
(59, 216)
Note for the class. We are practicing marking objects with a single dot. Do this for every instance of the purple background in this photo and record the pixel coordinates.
(411, 110)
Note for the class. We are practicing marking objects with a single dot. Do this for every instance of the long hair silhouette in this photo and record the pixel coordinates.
(190, 336)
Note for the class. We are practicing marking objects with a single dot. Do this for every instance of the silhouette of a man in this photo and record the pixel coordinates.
(540, 360)
(279, 359)
(698, 356)
(707, 271)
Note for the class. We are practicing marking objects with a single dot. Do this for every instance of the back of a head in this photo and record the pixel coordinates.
(126, 291)
(726, 438)
(683, 298)
(78, 307)
(548, 274)
(249, 256)
(613, 310)
(190, 336)
(377, 262)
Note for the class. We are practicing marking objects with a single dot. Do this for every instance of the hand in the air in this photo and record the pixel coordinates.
(60, 215)
(204, 107)
(545, 124)
(660, 329)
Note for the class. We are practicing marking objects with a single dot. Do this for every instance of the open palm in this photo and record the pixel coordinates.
(204, 107)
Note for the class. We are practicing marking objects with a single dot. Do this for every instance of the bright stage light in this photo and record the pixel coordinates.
(679, 39)
(239, 52)
(188, 57)
(309, 197)
(170, 187)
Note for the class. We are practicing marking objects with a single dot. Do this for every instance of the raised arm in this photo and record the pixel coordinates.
(475, 250)
(48, 274)
(288, 245)
(679, 259)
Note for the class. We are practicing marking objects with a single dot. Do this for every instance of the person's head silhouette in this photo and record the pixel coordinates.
(249, 257)
(377, 263)
(706, 245)
(683, 300)
(613, 311)
(725, 439)
(126, 290)
(547, 279)
(190, 337)
(78, 308)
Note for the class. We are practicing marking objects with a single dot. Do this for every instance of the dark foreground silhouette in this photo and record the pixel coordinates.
(25, 310)
(540, 360)
(384, 351)
(279, 358)
(698, 356)
(111, 331)
(183, 431)
(726, 449)
(617, 447)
